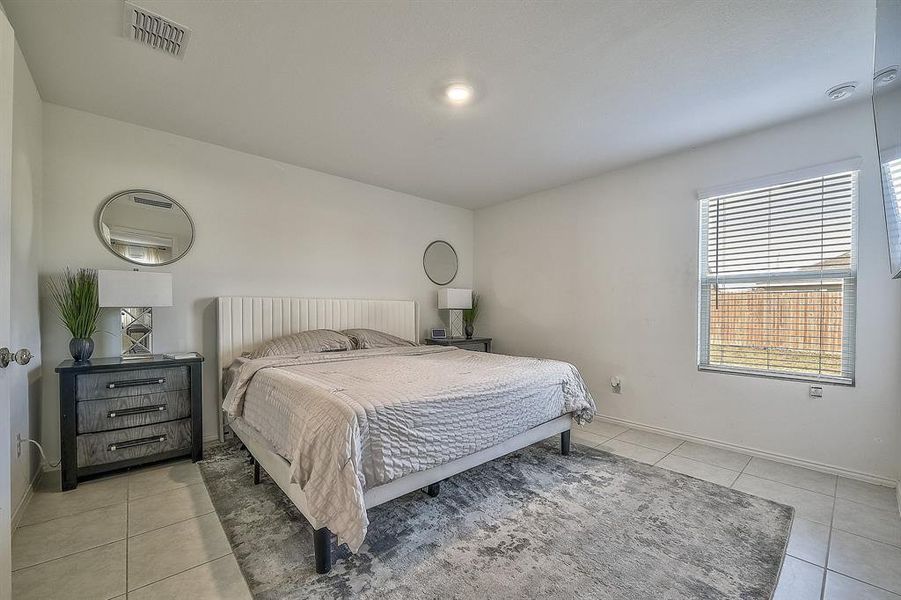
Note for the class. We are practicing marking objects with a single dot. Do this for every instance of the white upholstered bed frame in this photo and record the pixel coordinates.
(246, 322)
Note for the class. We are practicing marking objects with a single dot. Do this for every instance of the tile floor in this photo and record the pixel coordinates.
(153, 534)
(845, 542)
(148, 534)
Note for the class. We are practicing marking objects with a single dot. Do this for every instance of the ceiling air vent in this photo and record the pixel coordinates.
(152, 30)
(153, 202)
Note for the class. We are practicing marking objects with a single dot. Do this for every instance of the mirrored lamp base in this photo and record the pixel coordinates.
(137, 332)
(456, 323)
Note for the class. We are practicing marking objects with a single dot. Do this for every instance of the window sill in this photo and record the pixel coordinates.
(781, 376)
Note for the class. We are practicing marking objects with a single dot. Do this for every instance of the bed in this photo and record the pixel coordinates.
(342, 432)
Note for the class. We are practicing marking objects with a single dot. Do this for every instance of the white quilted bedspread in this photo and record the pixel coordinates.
(350, 421)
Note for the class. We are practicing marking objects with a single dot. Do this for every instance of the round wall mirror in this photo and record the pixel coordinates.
(145, 228)
(440, 262)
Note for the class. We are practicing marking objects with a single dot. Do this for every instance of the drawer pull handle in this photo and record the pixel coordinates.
(156, 439)
(124, 412)
(123, 384)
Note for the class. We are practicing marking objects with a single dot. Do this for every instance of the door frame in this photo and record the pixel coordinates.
(7, 62)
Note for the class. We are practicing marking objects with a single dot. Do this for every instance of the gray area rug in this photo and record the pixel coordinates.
(533, 524)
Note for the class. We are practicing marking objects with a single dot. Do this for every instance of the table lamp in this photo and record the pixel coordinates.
(454, 300)
(135, 293)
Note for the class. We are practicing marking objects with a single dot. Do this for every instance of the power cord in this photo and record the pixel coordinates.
(20, 440)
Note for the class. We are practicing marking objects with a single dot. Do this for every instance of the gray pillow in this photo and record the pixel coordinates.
(365, 339)
(315, 340)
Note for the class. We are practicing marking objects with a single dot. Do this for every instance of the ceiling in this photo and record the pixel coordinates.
(565, 90)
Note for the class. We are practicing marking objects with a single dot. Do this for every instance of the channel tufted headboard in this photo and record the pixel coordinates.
(247, 321)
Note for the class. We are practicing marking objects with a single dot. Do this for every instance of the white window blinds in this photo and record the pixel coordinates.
(891, 173)
(778, 280)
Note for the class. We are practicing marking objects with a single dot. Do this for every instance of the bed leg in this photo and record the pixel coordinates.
(256, 472)
(564, 442)
(434, 489)
(322, 547)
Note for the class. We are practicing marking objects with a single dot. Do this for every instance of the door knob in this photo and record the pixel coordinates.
(23, 357)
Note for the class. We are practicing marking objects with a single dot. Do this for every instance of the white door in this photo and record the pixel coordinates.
(7, 59)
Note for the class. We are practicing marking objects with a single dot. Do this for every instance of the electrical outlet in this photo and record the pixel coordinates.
(616, 384)
(18, 445)
(816, 391)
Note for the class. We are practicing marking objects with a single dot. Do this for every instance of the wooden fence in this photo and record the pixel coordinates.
(791, 328)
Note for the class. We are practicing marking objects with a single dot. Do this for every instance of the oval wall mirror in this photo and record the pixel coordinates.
(145, 227)
(440, 262)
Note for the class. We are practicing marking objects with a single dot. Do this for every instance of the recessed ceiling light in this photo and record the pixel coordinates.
(459, 93)
(841, 91)
(886, 76)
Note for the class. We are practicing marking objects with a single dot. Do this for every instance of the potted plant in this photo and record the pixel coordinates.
(75, 298)
(469, 317)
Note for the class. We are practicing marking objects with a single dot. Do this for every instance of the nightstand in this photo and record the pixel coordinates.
(478, 344)
(117, 413)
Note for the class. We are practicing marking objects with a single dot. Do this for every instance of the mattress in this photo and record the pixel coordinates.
(353, 420)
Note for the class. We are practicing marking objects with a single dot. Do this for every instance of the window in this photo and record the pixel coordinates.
(778, 271)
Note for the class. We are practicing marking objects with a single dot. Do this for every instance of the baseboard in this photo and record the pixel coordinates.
(800, 462)
(26, 498)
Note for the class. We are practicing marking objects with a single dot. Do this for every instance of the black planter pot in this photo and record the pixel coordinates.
(81, 349)
(468, 329)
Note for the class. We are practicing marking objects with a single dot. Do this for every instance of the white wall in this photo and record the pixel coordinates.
(603, 273)
(27, 180)
(263, 228)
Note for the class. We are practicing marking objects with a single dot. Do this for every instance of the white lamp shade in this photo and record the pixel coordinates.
(134, 288)
(454, 298)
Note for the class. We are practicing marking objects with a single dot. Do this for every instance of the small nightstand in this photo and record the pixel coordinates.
(478, 344)
(117, 413)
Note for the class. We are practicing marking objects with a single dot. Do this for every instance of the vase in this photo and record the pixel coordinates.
(468, 329)
(81, 349)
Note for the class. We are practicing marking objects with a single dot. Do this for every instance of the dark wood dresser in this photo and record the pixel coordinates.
(118, 413)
